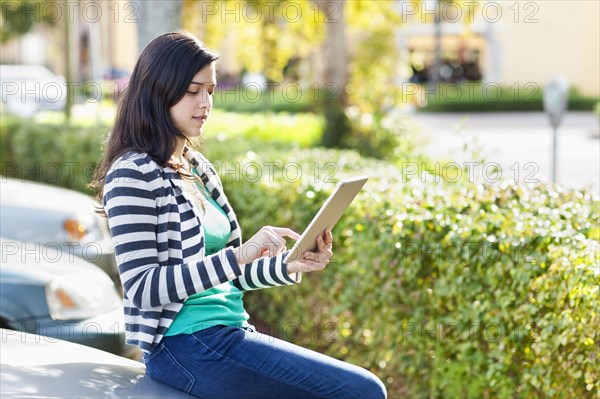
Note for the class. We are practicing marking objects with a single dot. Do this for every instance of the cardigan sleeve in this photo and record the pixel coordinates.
(132, 200)
(266, 272)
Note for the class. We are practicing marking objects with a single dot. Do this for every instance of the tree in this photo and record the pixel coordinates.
(155, 18)
(335, 46)
(18, 18)
(337, 125)
(268, 34)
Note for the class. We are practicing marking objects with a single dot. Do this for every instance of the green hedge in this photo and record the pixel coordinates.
(443, 290)
(50, 153)
(471, 97)
(450, 291)
(65, 154)
(288, 97)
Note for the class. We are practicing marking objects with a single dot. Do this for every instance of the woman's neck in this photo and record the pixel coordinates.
(179, 145)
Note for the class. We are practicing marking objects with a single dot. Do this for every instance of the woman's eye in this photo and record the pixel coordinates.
(210, 93)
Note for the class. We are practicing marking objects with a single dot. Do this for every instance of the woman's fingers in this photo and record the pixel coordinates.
(306, 265)
(328, 237)
(272, 243)
(268, 241)
(285, 232)
(309, 256)
(320, 244)
(324, 248)
(318, 256)
(275, 243)
(275, 240)
(328, 240)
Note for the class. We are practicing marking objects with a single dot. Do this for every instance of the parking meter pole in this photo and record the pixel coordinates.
(554, 151)
(555, 105)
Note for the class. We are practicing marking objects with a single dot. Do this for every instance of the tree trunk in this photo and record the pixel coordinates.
(68, 70)
(437, 59)
(337, 125)
(155, 18)
(335, 48)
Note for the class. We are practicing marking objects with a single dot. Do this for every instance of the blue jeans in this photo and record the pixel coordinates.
(224, 362)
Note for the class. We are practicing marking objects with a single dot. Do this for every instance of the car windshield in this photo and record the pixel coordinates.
(25, 72)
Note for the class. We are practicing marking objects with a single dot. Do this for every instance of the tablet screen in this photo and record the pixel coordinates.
(328, 215)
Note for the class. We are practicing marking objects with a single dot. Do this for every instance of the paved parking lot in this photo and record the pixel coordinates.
(520, 143)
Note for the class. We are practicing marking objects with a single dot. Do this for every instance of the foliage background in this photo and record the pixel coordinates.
(441, 289)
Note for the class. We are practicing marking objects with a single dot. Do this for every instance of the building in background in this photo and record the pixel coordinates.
(509, 43)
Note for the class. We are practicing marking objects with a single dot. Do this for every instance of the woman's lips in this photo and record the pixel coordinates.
(199, 119)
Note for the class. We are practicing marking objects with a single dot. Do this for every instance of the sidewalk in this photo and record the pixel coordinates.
(520, 143)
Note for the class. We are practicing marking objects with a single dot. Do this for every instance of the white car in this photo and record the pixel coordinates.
(27, 89)
(69, 299)
(34, 366)
(45, 216)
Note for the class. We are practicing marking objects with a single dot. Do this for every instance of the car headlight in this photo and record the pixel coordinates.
(78, 231)
(82, 227)
(76, 296)
(75, 229)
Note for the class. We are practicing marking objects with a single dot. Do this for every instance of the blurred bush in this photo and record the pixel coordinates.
(301, 128)
(66, 154)
(50, 153)
(443, 290)
(384, 135)
(448, 290)
(476, 97)
(290, 97)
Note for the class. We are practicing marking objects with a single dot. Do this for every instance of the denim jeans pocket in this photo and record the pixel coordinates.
(162, 366)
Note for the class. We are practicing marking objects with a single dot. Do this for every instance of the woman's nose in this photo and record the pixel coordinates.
(205, 100)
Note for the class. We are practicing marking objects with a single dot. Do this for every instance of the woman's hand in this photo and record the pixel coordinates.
(312, 261)
(268, 241)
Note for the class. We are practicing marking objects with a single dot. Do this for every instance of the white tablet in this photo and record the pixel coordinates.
(328, 215)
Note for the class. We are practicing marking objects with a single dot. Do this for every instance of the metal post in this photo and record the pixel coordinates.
(556, 96)
(554, 152)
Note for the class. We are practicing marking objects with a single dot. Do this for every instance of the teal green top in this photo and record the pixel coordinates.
(218, 305)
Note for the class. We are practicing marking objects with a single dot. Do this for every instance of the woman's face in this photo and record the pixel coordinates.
(190, 113)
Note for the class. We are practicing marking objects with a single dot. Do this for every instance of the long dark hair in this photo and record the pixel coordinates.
(159, 80)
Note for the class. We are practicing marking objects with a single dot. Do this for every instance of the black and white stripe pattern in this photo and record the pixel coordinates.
(159, 244)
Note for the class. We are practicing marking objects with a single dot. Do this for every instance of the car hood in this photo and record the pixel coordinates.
(44, 367)
(40, 264)
(42, 196)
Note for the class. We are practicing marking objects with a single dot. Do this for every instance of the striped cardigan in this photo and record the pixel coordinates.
(159, 244)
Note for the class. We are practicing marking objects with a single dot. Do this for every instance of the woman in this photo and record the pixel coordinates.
(179, 249)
